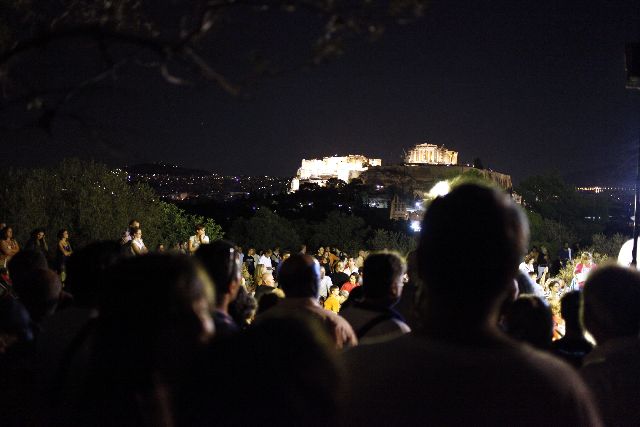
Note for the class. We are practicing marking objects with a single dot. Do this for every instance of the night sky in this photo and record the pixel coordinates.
(528, 87)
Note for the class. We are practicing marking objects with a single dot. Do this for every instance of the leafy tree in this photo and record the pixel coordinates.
(549, 233)
(346, 232)
(610, 246)
(264, 230)
(176, 225)
(391, 240)
(93, 202)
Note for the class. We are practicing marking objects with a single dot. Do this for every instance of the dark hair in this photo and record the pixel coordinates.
(570, 309)
(528, 319)
(334, 287)
(133, 221)
(86, 269)
(35, 232)
(379, 271)
(222, 262)
(25, 262)
(200, 227)
(148, 312)
(133, 231)
(300, 276)
(454, 227)
(612, 300)
(61, 233)
(39, 291)
(5, 231)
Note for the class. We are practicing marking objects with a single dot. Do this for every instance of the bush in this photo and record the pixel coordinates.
(93, 202)
(391, 240)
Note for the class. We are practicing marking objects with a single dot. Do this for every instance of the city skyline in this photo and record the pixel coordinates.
(527, 88)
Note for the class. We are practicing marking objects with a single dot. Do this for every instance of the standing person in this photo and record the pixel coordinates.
(339, 277)
(373, 318)
(582, 270)
(611, 314)
(200, 238)
(38, 242)
(8, 246)
(326, 262)
(460, 369)
(565, 255)
(250, 261)
(332, 303)
(63, 252)
(137, 245)
(224, 266)
(299, 279)
(325, 284)
(265, 261)
(126, 236)
(543, 261)
(351, 283)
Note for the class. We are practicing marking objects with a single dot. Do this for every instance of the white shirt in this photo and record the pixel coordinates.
(325, 286)
(195, 242)
(266, 261)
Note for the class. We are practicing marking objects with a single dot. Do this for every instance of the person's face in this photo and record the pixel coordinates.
(322, 272)
(40, 235)
(9, 233)
(398, 285)
(352, 279)
(161, 248)
(555, 287)
(335, 292)
(200, 232)
(252, 251)
(138, 234)
(65, 234)
(268, 280)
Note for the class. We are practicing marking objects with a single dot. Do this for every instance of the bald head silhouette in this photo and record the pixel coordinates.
(299, 276)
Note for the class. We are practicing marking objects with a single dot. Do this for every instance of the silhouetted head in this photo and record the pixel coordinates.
(383, 275)
(299, 276)
(25, 262)
(570, 310)
(86, 269)
(15, 324)
(39, 291)
(528, 319)
(612, 303)
(471, 243)
(222, 262)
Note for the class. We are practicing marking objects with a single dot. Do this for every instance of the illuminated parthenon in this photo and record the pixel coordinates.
(319, 171)
(431, 154)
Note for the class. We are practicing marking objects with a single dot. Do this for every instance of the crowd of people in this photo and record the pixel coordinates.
(114, 334)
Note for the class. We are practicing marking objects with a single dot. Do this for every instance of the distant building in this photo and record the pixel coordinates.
(432, 155)
(319, 171)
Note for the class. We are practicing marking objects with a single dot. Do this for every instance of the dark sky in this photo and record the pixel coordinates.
(529, 87)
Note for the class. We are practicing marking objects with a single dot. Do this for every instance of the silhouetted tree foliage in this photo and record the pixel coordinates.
(558, 213)
(264, 230)
(93, 202)
(230, 43)
(391, 240)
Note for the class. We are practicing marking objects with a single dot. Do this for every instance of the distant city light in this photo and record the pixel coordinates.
(415, 226)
